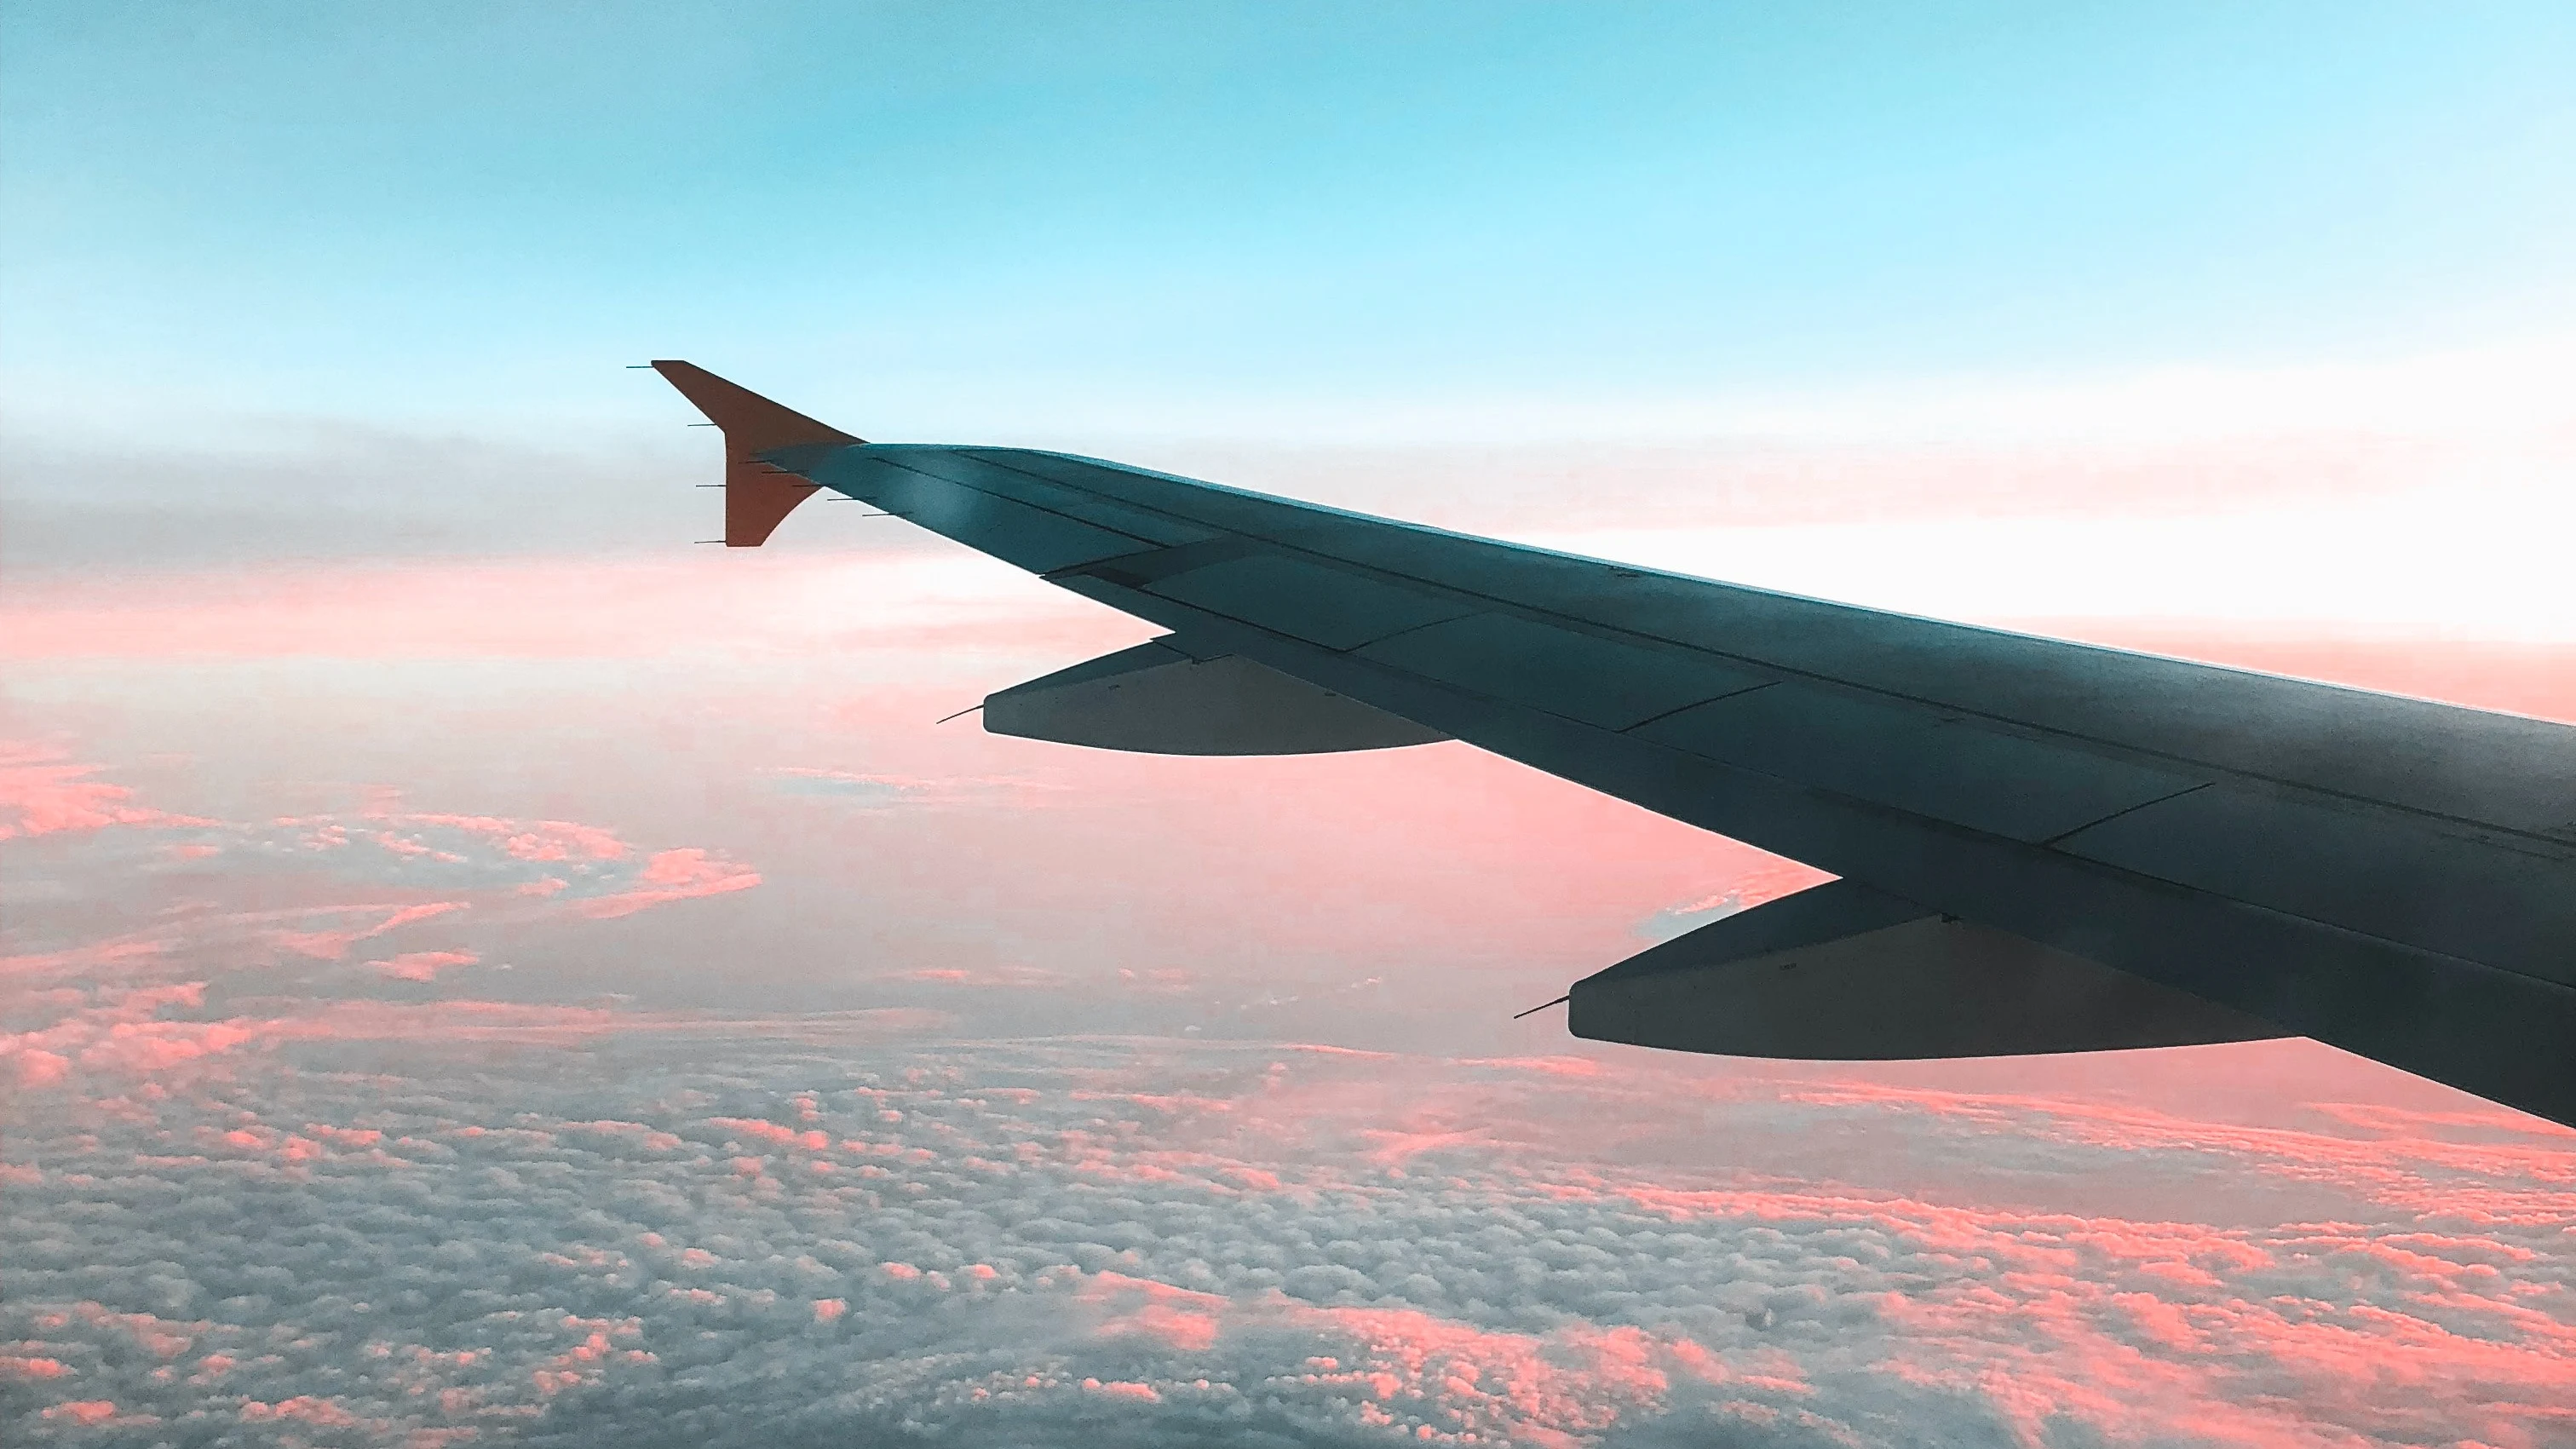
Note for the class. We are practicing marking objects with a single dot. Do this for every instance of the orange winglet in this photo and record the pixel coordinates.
(757, 495)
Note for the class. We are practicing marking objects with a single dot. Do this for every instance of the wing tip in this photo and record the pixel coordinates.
(757, 497)
(752, 424)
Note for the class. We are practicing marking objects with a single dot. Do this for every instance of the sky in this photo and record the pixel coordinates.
(477, 968)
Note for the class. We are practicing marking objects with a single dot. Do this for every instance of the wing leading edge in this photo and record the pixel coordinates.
(2391, 876)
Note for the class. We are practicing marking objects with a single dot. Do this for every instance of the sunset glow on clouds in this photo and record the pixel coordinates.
(855, 1229)
(1126, 1096)
(478, 969)
(387, 1169)
(498, 1000)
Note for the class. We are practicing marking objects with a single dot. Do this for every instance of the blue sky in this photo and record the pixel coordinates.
(972, 216)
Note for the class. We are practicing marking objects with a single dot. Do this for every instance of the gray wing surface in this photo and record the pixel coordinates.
(2394, 877)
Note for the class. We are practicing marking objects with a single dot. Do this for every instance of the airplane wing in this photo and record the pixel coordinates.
(2041, 846)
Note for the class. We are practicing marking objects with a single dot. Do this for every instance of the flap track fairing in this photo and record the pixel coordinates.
(1842, 972)
(1154, 699)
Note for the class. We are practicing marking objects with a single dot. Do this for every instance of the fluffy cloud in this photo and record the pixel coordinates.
(584, 869)
(345, 905)
(412, 868)
(275, 1170)
(43, 791)
(423, 965)
(667, 876)
(808, 1229)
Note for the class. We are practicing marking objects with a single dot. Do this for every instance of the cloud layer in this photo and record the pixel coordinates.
(809, 1231)
(311, 1138)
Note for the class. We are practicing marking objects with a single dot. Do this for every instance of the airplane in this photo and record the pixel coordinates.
(2039, 846)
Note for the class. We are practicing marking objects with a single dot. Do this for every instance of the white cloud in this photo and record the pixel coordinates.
(748, 1235)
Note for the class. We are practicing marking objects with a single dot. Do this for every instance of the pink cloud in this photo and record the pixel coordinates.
(423, 965)
(1550, 1284)
(1002, 976)
(529, 839)
(672, 875)
(94, 958)
(594, 875)
(36, 1066)
(771, 1132)
(122, 1034)
(2526, 1171)
(1122, 1389)
(1392, 1147)
(652, 1139)
(43, 793)
(303, 1408)
(453, 1021)
(150, 1048)
(1177, 1318)
(601, 876)
(2071, 1296)
(1406, 1367)
(1556, 1066)
(334, 945)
